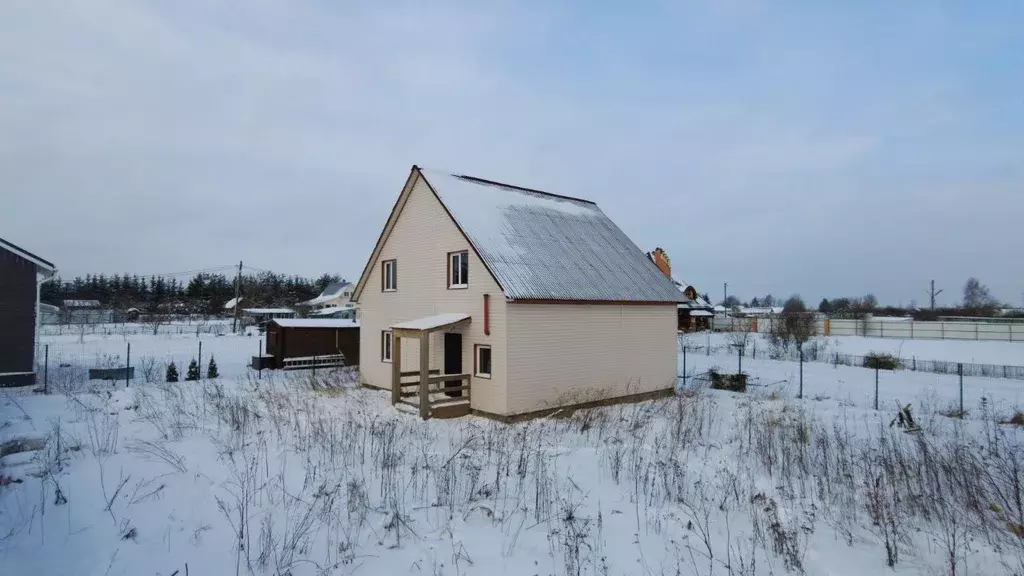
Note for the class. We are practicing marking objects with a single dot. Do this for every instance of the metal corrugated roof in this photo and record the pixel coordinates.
(542, 246)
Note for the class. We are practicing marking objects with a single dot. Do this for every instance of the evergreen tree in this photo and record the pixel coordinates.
(193, 371)
(172, 372)
(211, 370)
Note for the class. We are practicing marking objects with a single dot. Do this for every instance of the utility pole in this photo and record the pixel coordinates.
(933, 293)
(725, 292)
(238, 286)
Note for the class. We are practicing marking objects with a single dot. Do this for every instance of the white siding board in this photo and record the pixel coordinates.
(571, 353)
(421, 238)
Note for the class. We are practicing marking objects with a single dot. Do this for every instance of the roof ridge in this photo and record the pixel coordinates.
(15, 248)
(479, 180)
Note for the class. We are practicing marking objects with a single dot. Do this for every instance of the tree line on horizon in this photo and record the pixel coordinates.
(204, 293)
(977, 301)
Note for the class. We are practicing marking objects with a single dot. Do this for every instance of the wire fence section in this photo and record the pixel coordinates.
(198, 328)
(813, 352)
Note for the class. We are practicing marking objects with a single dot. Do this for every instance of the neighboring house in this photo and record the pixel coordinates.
(346, 311)
(758, 312)
(20, 275)
(81, 304)
(334, 295)
(263, 315)
(87, 312)
(48, 314)
(694, 312)
(533, 300)
(308, 339)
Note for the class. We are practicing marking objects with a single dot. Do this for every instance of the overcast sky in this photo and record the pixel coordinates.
(826, 148)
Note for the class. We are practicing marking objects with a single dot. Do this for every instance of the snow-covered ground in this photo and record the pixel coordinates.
(294, 475)
(980, 352)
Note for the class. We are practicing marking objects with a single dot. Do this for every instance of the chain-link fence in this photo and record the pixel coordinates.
(198, 328)
(813, 352)
(89, 366)
(872, 381)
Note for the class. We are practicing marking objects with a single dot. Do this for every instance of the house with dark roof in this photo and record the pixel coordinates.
(21, 272)
(507, 301)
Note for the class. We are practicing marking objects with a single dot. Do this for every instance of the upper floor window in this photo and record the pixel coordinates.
(389, 280)
(458, 269)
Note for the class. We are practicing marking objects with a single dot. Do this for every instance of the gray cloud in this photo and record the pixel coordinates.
(151, 138)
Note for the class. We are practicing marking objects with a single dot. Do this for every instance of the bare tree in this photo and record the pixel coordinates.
(977, 295)
(796, 325)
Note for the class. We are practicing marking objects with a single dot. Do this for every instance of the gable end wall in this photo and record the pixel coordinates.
(420, 241)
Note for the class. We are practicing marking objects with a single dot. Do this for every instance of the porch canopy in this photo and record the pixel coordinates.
(421, 328)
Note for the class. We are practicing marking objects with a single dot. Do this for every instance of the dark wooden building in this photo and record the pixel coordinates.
(290, 338)
(20, 273)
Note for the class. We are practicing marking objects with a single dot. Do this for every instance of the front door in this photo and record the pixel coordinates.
(453, 360)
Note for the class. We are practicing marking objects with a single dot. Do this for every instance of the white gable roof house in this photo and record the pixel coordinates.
(492, 299)
(335, 294)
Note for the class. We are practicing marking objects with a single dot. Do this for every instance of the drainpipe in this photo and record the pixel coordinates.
(35, 335)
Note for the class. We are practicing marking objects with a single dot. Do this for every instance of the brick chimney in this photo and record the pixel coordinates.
(661, 259)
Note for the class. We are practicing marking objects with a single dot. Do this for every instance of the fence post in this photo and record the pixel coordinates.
(46, 369)
(684, 365)
(876, 387)
(801, 396)
(259, 356)
(914, 360)
(960, 372)
(739, 354)
(709, 344)
(128, 366)
(200, 359)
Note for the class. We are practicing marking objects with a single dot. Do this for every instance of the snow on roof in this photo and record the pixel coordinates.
(316, 323)
(268, 310)
(550, 247)
(44, 267)
(697, 303)
(231, 303)
(432, 322)
(332, 291)
(332, 310)
(81, 303)
(701, 313)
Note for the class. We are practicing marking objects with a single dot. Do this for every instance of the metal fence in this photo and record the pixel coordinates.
(136, 329)
(73, 368)
(815, 353)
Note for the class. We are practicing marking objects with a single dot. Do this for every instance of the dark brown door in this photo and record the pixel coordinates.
(453, 359)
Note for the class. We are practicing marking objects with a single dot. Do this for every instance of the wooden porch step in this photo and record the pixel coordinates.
(449, 410)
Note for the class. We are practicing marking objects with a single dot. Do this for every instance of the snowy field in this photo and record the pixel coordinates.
(302, 475)
(980, 352)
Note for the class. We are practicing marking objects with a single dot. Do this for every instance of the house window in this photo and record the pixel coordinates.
(458, 269)
(482, 362)
(386, 342)
(389, 278)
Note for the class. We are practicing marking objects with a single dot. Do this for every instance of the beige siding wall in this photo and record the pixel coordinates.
(420, 241)
(566, 354)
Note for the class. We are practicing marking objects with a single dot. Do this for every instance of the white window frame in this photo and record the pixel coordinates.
(393, 276)
(455, 260)
(387, 346)
(476, 361)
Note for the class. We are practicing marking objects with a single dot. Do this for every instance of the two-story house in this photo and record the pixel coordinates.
(536, 300)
